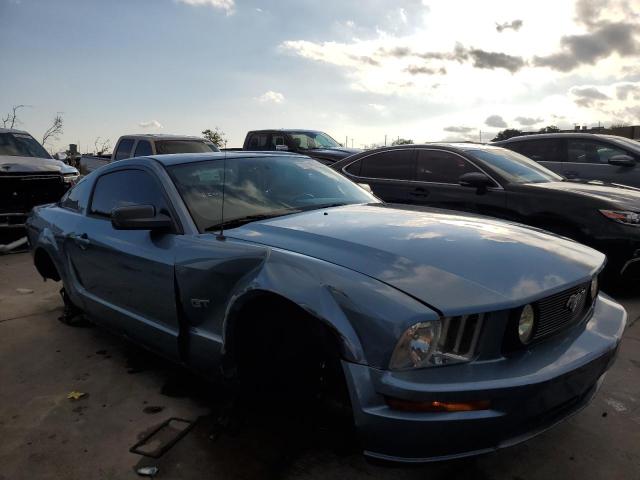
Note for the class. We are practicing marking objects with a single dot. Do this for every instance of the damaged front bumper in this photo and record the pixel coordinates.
(526, 394)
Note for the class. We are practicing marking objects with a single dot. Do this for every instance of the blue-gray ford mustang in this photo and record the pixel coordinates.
(452, 334)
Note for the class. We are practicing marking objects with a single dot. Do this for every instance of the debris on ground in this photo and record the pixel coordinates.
(152, 409)
(14, 246)
(147, 471)
(24, 291)
(74, 395)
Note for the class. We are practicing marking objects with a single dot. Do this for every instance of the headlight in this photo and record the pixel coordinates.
(526, 323)
(594, 288)
(437, 342)
(628, 218)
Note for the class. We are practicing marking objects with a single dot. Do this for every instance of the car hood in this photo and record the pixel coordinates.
(621, 195)
(455, 263)
(11, 164)
(332, 153)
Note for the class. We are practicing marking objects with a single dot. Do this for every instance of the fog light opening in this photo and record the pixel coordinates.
(436, 406)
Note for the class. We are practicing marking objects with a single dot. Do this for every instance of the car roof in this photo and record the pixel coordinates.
(285, 130)
(183, 158)
(13, 130)
(163, 136)
(535, 136)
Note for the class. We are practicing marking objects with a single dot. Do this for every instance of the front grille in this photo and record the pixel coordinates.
(20, 193)
(561, 310)
(459, 337)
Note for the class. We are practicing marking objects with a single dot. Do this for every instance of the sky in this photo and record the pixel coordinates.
(428, 70)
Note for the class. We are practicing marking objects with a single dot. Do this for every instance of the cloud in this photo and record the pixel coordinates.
(271, 97)
(366, 59)
(150, 124)
(457, 129)
(514, 25)
(377, 107)
(588, 96)
(603, 41)
(227, 5)
(422, 70)
(623, 91)
(495, 121)
(527, 121)
(492, 60)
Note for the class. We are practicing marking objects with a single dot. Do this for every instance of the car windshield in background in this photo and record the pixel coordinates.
(515, 168)
(21, 145)
(259, 187)
(313, 140)
(167, 147)
(634, 144)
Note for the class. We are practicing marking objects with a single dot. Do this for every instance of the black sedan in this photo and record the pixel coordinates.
(494, 181)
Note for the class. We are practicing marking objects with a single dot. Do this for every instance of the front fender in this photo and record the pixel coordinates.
(366, 315)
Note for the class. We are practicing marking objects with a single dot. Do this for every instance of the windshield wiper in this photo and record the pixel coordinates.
(238, 222)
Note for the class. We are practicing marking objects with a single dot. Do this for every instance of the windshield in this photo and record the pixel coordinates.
(167, 147)
(634, 144)
(513, 167)
(21, 145)
(261, 187)
(313, 140)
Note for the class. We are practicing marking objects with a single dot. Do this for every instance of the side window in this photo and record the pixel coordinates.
(543, 150)
(590, 151)
(441, 167)
(124, 149)
(258, 141)
(277, 139)
(77, 198)
(126, 187)
(354, 168)
(394, 165)
(142, 148)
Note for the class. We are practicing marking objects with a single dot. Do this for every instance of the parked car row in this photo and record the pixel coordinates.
(500, 183)
(443, 334)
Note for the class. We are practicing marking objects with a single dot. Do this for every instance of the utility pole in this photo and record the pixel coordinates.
(351, 142)
(346, 141)
(480, 136)
(385, 139)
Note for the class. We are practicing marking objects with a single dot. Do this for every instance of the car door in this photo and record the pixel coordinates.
(589, 159)
(549, 152)
(389, 173)
(127, 276)
(437, 175)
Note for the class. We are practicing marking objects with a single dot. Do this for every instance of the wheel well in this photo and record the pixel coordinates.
(45, 266)
(275, 345)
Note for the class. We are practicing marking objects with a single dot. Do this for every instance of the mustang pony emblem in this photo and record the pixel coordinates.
(574, 300)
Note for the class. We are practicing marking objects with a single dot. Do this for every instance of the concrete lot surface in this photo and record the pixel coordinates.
(45, 435)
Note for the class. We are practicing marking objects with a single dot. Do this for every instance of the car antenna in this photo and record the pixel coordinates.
(224, 182)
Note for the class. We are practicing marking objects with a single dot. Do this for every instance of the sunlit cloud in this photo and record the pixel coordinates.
(227, 5)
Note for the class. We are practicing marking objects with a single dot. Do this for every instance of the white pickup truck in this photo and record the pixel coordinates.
(129, 146)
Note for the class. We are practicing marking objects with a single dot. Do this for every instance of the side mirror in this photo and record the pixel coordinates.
(622, 160)
(282, 148)
(475, 180)
(140, 217)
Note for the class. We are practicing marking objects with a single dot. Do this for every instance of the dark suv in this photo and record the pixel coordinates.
(584, 156)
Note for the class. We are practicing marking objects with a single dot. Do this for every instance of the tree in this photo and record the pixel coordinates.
(402, 141)
(11, 120)
(101, 146)
(216, 136)
(550, 129)
(507, 133)
(54, 131)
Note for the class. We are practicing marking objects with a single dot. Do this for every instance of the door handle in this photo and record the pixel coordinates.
(419, 192)
(81, 240)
